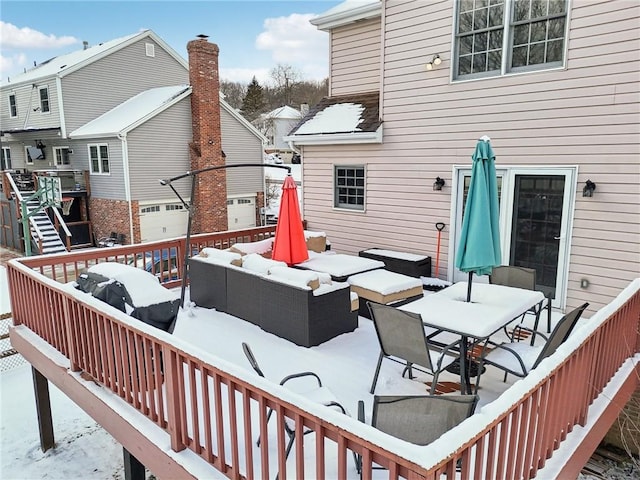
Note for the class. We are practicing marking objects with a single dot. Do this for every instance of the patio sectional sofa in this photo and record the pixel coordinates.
(268, 295)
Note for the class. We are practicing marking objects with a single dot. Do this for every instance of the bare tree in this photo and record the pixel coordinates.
(234, 93)
(285, 77)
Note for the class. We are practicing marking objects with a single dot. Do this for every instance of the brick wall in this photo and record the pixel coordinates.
(210, 195)
(109, 216)
(259, 206)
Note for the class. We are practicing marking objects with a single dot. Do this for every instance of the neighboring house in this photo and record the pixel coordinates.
(275, 125)
(122, 110)
(413, 86)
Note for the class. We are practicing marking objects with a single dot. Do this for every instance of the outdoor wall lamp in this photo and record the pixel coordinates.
(438, 184)
(435, 61)
(588, 189)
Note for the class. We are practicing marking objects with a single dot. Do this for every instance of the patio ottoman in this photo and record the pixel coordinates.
(410, 264)
(383, 286)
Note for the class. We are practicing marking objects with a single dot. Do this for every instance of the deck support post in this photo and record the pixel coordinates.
(43, 408)
(133, 469)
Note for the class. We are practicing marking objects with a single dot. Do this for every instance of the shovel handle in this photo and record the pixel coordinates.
(440, 226)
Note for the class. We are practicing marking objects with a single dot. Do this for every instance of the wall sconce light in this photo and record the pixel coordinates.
(588, 189)
(438, 184)
(435, 61)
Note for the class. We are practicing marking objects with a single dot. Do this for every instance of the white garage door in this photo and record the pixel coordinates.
(241, 212)
(162, 220)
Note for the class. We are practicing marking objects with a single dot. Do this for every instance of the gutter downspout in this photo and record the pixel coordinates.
(127, 180)
(63, 125)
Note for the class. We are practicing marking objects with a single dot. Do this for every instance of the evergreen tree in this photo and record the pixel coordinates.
(253, 102)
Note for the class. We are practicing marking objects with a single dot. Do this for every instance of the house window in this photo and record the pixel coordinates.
(6, 158)
(99, 158)
(44, 99)
(62, 155)
(150, 209)
(13, 106)
(349, 187)
(496, 37)
(149, 49)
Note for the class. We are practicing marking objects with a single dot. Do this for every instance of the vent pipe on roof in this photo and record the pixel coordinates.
(85, 44)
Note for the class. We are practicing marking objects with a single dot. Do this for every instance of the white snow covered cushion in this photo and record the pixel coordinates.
(214, 255)
(302, 278)
(257, 263)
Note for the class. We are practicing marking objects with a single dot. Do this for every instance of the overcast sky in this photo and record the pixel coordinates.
(253, 36)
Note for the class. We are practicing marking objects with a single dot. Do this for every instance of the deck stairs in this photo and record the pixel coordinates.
(42, 227)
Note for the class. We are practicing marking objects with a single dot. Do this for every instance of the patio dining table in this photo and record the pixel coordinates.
(491, 308)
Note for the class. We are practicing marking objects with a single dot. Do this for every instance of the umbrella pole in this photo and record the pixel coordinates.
(469, 286)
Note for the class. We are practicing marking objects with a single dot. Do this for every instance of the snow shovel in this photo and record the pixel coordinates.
(439, 226)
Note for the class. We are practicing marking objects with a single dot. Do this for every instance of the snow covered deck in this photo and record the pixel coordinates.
(188, 405)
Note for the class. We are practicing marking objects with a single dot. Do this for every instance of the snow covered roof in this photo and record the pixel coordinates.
(132, 113)
(137, 110)
(347, 12)
(344, 119)
(285, 112)
(70, 62)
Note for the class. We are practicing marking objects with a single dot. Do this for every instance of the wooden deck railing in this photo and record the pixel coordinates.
(218, 411)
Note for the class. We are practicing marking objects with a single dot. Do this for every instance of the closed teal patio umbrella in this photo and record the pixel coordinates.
(479, 248)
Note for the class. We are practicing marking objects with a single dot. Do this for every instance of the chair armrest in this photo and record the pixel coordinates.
(301, 375)
(445, 351)
(504, 346)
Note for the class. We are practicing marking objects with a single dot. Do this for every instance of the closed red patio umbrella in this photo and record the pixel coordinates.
(289, 244)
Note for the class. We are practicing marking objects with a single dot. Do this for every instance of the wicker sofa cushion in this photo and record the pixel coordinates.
(259, 264)
(210, 254)
(293, 276)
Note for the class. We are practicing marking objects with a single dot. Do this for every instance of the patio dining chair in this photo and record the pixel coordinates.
(402, 339)
(418, 419)
(318, 393)
(525, 278)
(519, 358)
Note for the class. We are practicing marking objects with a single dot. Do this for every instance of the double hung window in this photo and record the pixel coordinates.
(44, 99)
(349, 187)
(6, 158)
(13, 106)
(496, 37)
(61, 155)
(99, 159)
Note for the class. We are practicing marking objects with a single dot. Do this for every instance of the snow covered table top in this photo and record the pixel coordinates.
(340, 265)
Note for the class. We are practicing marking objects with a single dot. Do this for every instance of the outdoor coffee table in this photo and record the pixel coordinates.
(492, 307)
(339, 265)
(383, 286)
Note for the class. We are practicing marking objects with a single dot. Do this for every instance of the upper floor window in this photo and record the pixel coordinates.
(349, 191)
(44, 99)
(495, 37)
(13, 105)
(99, 158)
(6, 158)
(62, 155)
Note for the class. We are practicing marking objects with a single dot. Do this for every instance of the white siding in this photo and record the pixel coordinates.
(585, 115)
(28, 103)
(100, 86)
(158, 149)
(355, 58)
(241, 146)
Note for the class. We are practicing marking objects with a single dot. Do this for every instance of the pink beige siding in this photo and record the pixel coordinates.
(355, 58)
(585, 115)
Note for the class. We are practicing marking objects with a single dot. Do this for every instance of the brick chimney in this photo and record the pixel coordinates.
(210, 194)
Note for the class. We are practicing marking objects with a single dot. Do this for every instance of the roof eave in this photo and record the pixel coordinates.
(338, 19)
(336, 138)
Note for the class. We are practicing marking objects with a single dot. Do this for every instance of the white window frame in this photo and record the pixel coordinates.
(507, 31)
(6, 158)
(44, 102)
(150, 49)
(57, 155)
(100, 170)
(27, 159)
(347, 206)
(13, 107)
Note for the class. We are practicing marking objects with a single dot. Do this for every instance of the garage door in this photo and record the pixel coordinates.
(162, 220)
(241, 212)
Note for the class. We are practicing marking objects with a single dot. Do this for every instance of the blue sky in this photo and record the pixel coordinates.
(253, 36)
